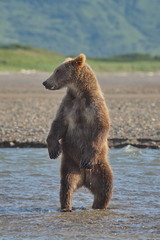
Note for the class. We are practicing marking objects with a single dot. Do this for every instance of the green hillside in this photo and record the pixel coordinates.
(99, 28)
(17, 57)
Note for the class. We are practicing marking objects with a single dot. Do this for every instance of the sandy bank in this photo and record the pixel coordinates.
(27, 109)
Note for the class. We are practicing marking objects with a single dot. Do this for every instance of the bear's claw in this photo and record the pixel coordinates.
(54, 154)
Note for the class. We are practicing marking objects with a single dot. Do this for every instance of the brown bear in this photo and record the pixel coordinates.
(80, 131)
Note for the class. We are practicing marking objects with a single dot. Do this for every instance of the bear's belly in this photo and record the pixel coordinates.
(73, 148)
(81, 124)
(76, 140)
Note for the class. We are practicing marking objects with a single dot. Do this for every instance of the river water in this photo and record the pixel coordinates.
(29, 198)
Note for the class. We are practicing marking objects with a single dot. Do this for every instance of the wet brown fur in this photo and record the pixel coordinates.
(80, 130)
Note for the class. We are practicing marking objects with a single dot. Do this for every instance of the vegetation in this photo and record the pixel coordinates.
(134, 57)
(98, 28)
(16, 57)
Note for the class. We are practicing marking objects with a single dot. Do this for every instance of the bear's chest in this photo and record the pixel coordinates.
(79, 115)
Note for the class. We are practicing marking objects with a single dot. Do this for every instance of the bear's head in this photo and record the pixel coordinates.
(66, 73)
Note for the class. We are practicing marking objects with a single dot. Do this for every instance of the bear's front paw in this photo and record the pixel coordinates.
(55, 151)
(85, 165)
(54, 148)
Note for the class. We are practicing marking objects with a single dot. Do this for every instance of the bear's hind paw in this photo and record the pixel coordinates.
(66, 210)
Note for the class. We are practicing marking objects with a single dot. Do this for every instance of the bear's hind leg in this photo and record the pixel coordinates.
(100, 183)
(100, 201)
(71, 180)
(69, 185)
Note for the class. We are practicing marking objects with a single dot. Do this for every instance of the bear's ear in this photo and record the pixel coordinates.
(79, 61)
(68, 59)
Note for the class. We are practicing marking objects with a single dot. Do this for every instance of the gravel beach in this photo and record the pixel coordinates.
(27, 108)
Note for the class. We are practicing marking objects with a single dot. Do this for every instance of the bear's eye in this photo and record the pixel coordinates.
(58, 70)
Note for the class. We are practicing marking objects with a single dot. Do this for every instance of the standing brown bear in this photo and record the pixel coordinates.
(80, 131)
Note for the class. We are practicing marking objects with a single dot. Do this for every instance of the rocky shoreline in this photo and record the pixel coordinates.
(113, 143)
(27, 109)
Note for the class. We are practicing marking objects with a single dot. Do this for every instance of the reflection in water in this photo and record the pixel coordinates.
(29, 203)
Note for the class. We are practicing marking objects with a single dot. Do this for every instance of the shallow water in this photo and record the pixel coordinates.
(29, 198)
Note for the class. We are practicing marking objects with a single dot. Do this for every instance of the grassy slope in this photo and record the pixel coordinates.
(18, 58)
(97, 27)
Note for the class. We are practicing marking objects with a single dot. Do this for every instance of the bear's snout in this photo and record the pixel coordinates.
(47, 85)
(50, 85)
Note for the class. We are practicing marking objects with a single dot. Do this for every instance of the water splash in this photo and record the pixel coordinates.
(132, 150)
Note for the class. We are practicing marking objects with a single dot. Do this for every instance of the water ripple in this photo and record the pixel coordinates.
(29, 198)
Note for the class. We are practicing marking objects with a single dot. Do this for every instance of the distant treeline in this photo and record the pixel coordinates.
(131, 57)
(17, 46)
